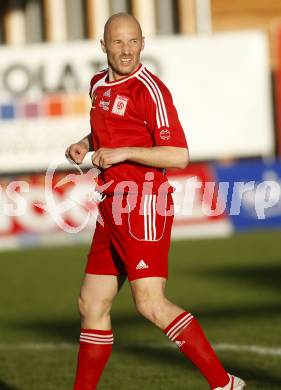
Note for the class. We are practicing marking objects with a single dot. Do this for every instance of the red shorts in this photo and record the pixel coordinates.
(133, 237)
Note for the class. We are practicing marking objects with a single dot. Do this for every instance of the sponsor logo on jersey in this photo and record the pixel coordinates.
(165, 134)
(104, 105)
(107, 93)
(120, 104)
(142, 265)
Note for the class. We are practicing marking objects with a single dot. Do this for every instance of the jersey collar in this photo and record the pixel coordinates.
(130, 76)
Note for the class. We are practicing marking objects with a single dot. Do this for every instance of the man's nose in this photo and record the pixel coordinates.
(125, 49)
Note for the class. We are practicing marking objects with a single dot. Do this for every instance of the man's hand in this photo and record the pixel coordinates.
(77, 152)
(156, 156)
(106, 157)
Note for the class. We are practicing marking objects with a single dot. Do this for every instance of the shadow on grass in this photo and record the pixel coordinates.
(240, 313)
(265, 276)
(173, 357)
(254, 374)
(5, 386)
(67, 330)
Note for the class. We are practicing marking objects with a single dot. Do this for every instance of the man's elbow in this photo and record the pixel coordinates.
(183, 160)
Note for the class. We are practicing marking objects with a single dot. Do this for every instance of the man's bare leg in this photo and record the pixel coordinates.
(95, 301)
(96, 338)
(180, 326)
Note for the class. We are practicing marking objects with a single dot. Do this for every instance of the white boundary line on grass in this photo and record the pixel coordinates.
(255, 349)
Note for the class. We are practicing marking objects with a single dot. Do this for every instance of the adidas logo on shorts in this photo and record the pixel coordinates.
(142, 265)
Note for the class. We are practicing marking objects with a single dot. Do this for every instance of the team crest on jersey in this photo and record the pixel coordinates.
(165, 134)
(120, 105)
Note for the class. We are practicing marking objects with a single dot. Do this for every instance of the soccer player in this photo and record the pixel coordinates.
(135, 135)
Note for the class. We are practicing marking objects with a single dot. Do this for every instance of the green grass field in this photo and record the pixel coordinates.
(231, 285)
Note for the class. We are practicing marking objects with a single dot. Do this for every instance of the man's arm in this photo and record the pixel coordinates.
(157, 156)
(160, 156)
(77, 152)
(87, 141)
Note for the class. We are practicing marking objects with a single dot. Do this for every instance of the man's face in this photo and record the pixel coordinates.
(123, 45)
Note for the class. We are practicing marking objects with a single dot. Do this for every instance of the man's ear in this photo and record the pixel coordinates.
(102, 43)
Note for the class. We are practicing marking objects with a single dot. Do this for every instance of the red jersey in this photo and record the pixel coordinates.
(135, 111)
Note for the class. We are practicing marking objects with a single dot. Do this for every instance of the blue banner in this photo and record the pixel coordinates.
(254, 193)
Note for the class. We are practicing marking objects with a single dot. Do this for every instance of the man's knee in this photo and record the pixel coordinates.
(91, 307)
(151, 309)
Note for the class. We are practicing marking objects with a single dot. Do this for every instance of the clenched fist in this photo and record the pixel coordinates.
(106, 157)
(77, 152)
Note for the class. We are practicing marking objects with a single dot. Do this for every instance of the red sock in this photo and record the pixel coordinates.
(94, 352)
(186, 332)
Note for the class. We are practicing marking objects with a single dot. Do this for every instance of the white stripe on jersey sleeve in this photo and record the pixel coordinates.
(158, 104)
(153, 97)
(163, 106)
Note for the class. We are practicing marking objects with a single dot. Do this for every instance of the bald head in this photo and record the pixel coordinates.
(119, 20)
(122, 43)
